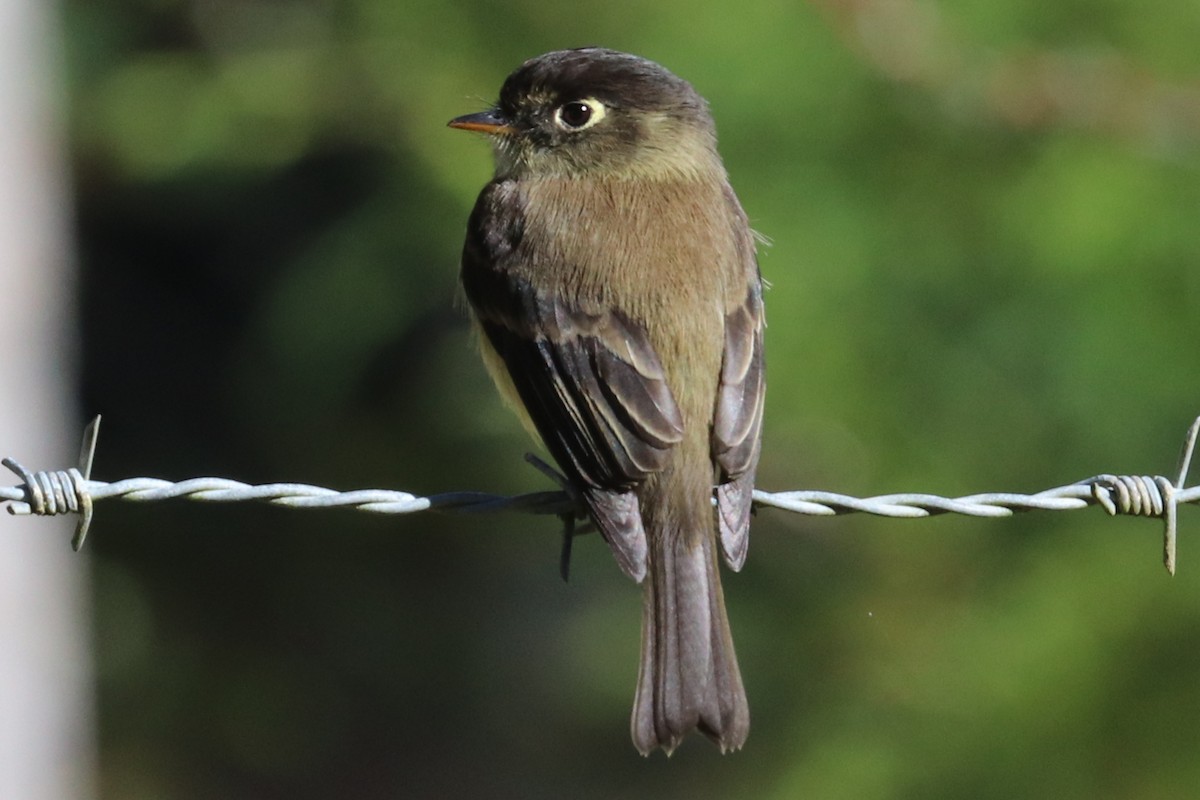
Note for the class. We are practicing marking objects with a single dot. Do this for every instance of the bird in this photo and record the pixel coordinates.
(612, 278)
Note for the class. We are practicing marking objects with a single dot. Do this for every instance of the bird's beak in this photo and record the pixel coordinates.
(490, 122)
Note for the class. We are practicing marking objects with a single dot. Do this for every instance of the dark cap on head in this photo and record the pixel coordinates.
(620, 80)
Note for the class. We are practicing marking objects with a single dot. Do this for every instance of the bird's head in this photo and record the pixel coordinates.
(597, 113)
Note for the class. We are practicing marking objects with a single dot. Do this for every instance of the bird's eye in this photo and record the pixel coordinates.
(579, 114)
(575, 114)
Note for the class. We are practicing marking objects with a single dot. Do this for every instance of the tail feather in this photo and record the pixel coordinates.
(689, 677)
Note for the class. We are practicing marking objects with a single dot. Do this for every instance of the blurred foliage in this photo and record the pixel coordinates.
(986, 276)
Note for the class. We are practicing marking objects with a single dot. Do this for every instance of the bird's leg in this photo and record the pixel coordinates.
(569, 518)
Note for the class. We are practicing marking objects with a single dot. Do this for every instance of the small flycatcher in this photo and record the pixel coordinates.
(612, 276)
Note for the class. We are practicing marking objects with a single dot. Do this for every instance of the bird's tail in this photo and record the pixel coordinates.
(689, 675)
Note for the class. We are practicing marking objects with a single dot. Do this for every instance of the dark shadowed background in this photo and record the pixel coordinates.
(985, 261)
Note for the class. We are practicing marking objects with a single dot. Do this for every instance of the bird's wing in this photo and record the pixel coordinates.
(596, 393)
(588, 378)
(737, 424)
(592, 384)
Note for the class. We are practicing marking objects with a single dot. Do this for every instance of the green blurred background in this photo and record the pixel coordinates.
(986, 276)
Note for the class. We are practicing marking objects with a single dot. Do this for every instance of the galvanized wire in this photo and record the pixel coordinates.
(72, 491)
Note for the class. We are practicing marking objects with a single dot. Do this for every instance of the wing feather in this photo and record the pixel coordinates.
(737, 424)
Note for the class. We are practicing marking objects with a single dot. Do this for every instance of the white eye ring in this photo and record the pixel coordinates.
(579, 115)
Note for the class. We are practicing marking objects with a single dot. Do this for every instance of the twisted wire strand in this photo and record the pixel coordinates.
(49, 493)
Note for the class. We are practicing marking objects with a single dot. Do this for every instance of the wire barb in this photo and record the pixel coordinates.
(73, 491)
(51, 492)
(1150, 496)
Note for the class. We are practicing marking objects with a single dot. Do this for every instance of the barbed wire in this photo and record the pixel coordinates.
(48, 493)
